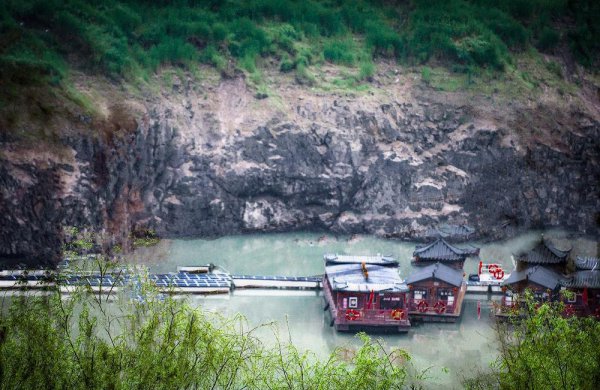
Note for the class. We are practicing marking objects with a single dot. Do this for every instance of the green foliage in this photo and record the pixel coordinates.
(456, 30)
(366, 70)
(286, 64)
(303, 75)
(383, 40)
(548, 39)
(426, 75)
(88, 341)
(340, 51)
(543, 349)
(131, 38)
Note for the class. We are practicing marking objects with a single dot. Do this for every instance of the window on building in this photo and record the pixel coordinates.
(445, 293)
(419, 294)
(353, 302)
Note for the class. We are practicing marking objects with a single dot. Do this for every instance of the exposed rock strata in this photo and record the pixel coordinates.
(392, 168)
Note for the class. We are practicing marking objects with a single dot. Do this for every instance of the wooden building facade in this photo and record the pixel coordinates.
(544, 283)
(436, 293)
(365, 293)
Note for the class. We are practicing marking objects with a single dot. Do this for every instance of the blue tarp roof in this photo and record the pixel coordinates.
(350, 277)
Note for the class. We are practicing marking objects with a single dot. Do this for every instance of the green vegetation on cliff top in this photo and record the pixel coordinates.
(42, 39)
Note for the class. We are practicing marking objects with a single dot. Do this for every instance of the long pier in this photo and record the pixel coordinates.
(188, 280)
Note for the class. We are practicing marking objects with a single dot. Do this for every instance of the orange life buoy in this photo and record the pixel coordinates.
(499, 273)
(422, 306)
(397, 314)
(439, 307)
(352, 315)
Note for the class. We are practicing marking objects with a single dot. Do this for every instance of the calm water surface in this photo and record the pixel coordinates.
(463, 348)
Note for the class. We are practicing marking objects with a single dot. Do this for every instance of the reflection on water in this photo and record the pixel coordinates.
(463, 348)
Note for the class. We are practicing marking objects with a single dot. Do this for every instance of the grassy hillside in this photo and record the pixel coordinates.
(41, 41)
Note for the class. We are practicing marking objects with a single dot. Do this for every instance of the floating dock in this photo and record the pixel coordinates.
(189, 282)
(279, 282)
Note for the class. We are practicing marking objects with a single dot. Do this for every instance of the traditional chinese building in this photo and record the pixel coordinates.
(436, 293)
(544, 254)
(365, 293)
(440, 251)
(584, 283)
(544, 283)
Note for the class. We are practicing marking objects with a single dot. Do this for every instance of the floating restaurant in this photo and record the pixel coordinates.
(365, 293)
(436, 293)
(544, 283)
(543, 270)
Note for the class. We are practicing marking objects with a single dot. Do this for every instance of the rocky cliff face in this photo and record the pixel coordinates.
(207, 160)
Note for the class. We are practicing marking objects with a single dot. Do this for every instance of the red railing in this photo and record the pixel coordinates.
(373, 316)
(432, 306)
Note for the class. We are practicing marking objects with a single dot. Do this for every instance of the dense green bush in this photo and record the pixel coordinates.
(340, 51)
(90, 342)
(548, 39)
(383, 40)
(120, 37)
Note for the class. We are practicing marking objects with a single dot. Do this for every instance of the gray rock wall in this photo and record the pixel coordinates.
(395, 170)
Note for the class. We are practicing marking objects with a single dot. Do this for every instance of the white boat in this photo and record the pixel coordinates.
(488, 279)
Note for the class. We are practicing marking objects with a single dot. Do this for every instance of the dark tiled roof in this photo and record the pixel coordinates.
(587, 263)
(539, 275)
(440, 250)
(437, 271)
(544, 253)
(581, 279)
